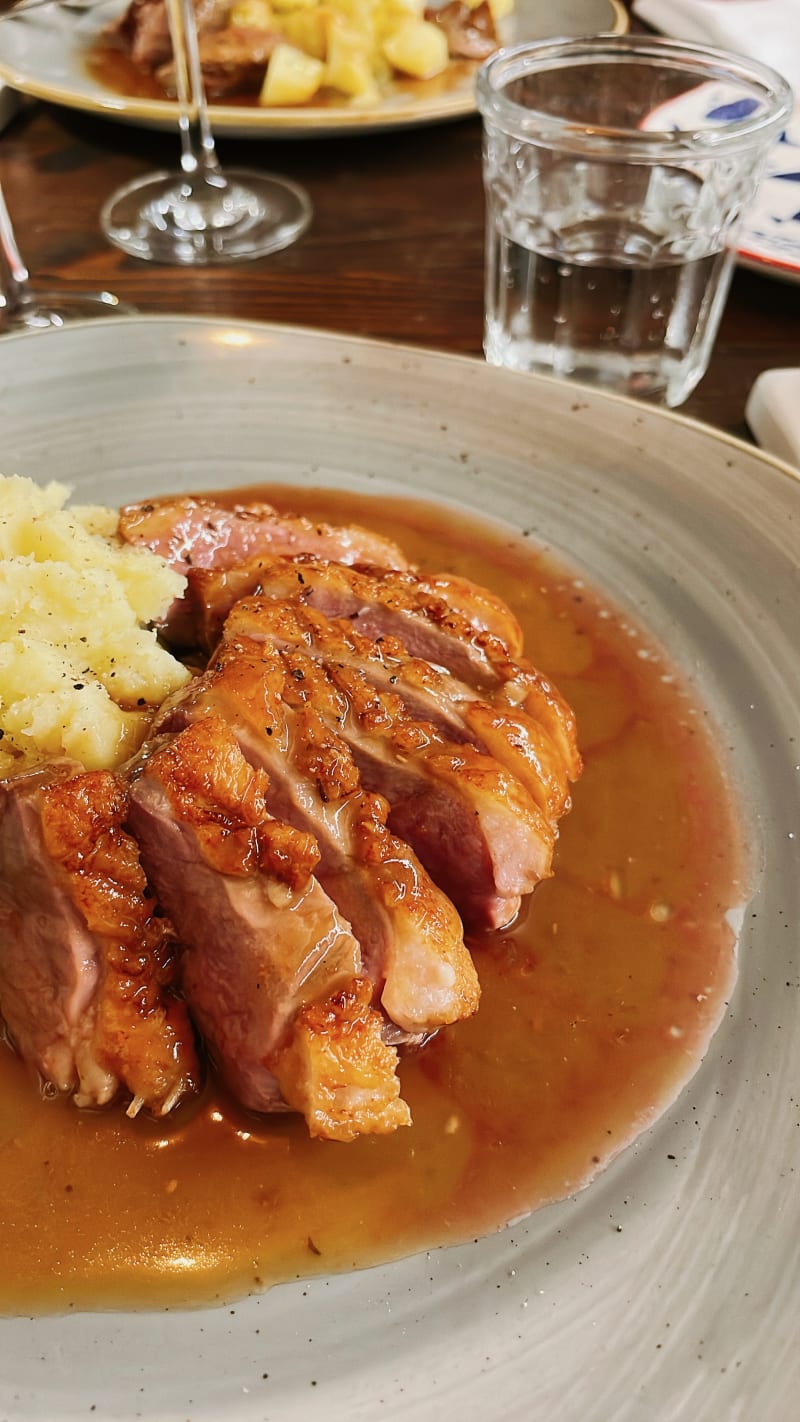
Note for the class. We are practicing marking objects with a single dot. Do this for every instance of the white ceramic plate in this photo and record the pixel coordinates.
(44, 55)
(691, 1312)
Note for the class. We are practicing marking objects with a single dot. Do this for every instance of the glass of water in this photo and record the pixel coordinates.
(616, 173)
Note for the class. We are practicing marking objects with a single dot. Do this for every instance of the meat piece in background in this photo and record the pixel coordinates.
(233, 61)
(142, 30)
(470, 30)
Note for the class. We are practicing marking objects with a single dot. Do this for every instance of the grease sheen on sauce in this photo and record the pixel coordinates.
(596, 1008)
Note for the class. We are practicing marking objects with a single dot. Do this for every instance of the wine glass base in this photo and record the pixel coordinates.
(43, 310)
(236, 217)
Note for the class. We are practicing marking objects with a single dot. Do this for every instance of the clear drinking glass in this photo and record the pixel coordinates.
(616, 173)
(202, 214)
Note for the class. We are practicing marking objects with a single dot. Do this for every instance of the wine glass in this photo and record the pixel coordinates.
(23, 304)
(202, 215)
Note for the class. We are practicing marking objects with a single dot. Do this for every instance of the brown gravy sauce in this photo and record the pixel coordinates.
(596, 1009)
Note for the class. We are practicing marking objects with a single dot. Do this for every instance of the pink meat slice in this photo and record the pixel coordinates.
(84, 961)
(264, 944)
(410, 934)
(49, 965)
(200, 533)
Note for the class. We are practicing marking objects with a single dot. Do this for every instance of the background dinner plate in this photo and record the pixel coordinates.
(669, 1289)
(769, 240)
(770, 236)
(44, 55)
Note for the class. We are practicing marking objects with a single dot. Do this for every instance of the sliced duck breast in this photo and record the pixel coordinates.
(264, 943)
(85, 963)
(410, 934)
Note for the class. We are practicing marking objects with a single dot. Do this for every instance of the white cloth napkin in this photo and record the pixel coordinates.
(767, 30)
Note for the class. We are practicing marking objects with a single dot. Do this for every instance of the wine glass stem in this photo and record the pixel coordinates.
(198, 152)
(14, 275)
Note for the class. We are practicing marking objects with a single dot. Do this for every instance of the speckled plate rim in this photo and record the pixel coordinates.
(74, 88)
(667, 1289)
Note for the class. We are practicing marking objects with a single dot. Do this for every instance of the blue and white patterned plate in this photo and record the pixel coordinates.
(769, 241)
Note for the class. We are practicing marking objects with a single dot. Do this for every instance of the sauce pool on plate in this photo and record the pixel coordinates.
(596, 1007)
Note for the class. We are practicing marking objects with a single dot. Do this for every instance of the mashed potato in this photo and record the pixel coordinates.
(80, 668)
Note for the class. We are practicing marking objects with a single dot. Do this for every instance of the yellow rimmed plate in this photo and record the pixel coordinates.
(44, 54)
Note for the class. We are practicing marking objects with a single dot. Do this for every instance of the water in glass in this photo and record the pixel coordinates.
(627, 304)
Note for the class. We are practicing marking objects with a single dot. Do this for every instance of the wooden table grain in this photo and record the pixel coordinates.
(395, 250)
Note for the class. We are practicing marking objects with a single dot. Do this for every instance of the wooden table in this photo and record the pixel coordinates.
(395, 250)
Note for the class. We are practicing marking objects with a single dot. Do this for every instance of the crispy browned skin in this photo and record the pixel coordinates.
(411, 936)
(271, 970)
(223, 800)
(470, 820)
(141, 1035)
(337, 1069)
(405, 689)
(481, 608)
(387, 603)
(212, 592)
